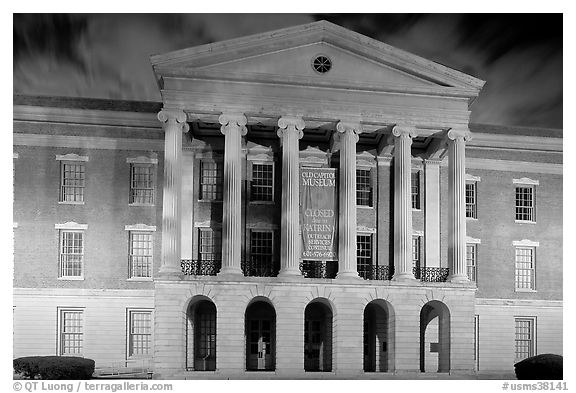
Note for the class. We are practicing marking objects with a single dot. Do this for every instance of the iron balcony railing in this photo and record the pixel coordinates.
(376, 272)
(259, 267)
(319, 269)
(196, 267)
(431, 274)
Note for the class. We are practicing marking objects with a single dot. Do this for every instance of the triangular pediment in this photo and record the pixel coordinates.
(287, 55)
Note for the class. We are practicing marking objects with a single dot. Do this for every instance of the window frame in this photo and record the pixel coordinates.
(532, 347)
(474, 265)
(150, 256)
(416, 198)
(532, 269)
(130, 335)
(370, 250)
(473, 204)
(216, 246)
(61, 325)
(61, 254)
(152, 189)
(272, 187)
(528, 184)
(62, 194)
(370, 186)
(218, 184)
(272, 254)
(419, 240)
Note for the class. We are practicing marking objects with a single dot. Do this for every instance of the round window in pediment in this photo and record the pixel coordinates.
(322, 64)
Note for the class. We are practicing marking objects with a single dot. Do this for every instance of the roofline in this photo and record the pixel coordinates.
(195, 52)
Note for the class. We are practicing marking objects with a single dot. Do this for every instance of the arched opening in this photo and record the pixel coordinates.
(318, 337)
(201, 335)
(435, 337)
(260, 330)
(378, 336)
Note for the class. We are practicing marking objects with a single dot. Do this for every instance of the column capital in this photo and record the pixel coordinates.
(233, 120)
(401, 130)
(456, 133)
(286, 123)
(178, 115)
(355, 128)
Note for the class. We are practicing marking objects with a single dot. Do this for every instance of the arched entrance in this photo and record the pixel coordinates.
(378, 336)
(260, 331)
(201, 335)
(435, 337)
(318, 336)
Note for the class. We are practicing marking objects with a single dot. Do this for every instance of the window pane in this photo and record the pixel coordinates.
(364, 256)
(72, 182)
(415, 186)
(471, 200)
(211, 181)
(416, 255)
(471, 261)
(525, 203)
(141, 184)
(140, 339)
(525, 268)
(363, 188)
(524, 338)
(140, 254)
(71, 332)
(71, 253)
(210, 245)
(262, 182)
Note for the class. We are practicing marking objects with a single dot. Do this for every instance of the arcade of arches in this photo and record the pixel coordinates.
(318, 330)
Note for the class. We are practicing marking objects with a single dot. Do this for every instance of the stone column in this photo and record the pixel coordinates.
(347, 263)
(233, 128)
(174, 122)
(457, 204)
(402, 203)
(290, 131)
(432, 212)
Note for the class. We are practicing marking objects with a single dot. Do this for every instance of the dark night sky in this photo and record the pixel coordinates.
(107, 56)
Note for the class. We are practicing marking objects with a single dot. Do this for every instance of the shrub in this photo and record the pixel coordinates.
(54, 367)
(545, 366)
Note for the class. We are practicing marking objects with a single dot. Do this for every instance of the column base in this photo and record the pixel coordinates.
(231, 272)
(290, 274)
(170, 272)
(348, 276)
(458, 278)
(404, 277)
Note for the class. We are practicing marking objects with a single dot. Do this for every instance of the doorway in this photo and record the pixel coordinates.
(260, 337)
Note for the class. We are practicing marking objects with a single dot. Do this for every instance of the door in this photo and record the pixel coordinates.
(260, 344)
(313, 345)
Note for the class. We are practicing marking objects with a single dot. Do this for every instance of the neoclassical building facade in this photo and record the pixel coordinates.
(303, 203)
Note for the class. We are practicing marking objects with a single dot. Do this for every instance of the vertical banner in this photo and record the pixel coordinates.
(319, 214)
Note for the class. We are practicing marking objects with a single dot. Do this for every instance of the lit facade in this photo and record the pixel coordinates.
(171, 232)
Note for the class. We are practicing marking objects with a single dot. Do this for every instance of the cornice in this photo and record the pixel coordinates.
(519, 302)
(512, 166)
(85, 116)
(520, 142)
(86, 142)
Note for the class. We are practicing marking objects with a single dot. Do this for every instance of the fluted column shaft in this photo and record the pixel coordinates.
(347, 254)
(402, 203)
(174, 122)
(457, 204)
(233, 128)
(290, 131)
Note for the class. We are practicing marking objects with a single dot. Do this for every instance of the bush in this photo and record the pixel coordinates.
(54, 367)
(545, 366)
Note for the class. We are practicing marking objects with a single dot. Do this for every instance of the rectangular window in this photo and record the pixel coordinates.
(364, 256)
(140, 254)
(363, 187)
(524, 338)
(471, 205)
(142, 184)
(262, 187)
(525, 263)
(261, 246)
(71, 253)
(415, 186)
(139, 333)
(416, 251)
(72, 179)
(71, 332)
(471, 261)
(211, 181)
(525, 203)
(209, 244)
